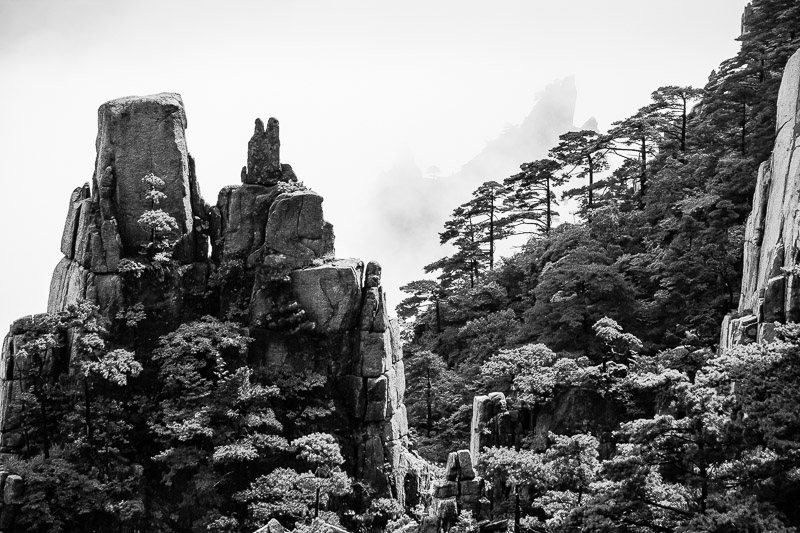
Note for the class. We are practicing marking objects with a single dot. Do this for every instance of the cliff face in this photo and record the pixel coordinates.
(270, 265)
(771, 276)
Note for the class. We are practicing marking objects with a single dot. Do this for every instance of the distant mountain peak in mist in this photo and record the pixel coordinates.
(414, 205)
(590, 124)
(552, 114)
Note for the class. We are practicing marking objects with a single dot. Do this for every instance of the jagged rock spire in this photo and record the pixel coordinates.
(291, 283)
(263, 154)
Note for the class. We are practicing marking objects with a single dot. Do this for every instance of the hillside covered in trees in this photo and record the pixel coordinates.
(604, 335)
(215, 368)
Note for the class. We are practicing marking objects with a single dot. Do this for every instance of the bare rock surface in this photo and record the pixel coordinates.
(330, 294)
(243, 211)
(70, 232)
(771, 272)
(137, 135)
(263, 154)
(296, 228)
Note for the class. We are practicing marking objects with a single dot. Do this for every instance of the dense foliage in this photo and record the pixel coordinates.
(603, 333)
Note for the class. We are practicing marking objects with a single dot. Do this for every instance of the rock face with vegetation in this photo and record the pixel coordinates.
(771, 272)
(143, 246)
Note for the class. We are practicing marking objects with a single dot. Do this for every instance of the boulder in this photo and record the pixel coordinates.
(295, 227)
(330, 294)
(451, 470)
(243, 211)
(465, 468)
(138, 135)
(13, 489)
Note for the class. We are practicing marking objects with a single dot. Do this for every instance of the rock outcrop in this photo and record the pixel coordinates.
(771, 272)
(461, 489)
(271, 266)
(12, 488)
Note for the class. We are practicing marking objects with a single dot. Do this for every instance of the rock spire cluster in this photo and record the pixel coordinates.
(263, 254)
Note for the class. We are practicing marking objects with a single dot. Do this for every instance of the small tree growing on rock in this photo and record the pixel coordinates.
(158, 223)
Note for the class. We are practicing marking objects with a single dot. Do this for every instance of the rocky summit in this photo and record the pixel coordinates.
(263, 255)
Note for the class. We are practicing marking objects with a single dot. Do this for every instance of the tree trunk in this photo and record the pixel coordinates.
(516, 510)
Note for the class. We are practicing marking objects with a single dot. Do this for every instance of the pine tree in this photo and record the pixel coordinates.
(582, 155)
(529, 198)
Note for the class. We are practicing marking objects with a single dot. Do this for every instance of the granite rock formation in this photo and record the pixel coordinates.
(270, 265)
(461, 489)
(771, 273)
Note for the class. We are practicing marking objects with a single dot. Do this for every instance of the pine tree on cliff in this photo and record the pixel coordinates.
(582, 155)
(468, 261)
(485, 208)
(529, 198)
(635, 139)
(473, 229)
(670, 109)
(425, 297)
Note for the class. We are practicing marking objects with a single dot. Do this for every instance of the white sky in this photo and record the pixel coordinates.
(350, 81)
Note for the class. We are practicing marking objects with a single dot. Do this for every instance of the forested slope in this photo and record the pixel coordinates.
(604, 334)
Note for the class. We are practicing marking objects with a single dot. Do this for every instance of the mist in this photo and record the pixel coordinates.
(374, 101)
